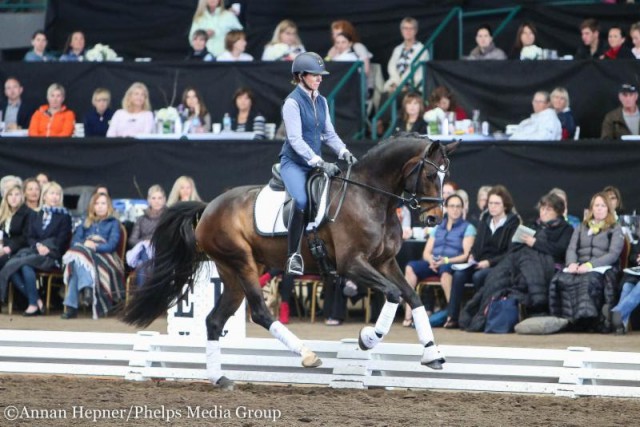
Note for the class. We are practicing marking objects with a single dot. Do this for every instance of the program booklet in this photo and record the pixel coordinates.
(633, 270)
(521, 231)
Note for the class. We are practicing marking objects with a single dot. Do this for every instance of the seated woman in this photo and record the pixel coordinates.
(412, 111)
(96, 121)
(285, 44)
(183, 190)
(194, 112)
(578, 293)
(47, 240)
(342, 26)
(495, 230)
(573, 220)
(630, 296)
(485, 48)
(135, 116)
(342, 49)
(527, 269)
(74, 48)
(235, 42)
(143, 229)
(244, 117)
(560, 103)
(442, 98)
(54, 118)
(93, 271)
(617, 47)
(14, 223)
(212, 17)
(525, 45)
(449, 243)
(32, 194)
(614, 195)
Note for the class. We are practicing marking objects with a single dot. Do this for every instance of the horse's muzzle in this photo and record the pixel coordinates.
(432, 220)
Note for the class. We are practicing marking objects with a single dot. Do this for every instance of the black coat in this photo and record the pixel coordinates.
(493, 247)
(24, 113)
(56, 236)
(18, 229)
(553, 239)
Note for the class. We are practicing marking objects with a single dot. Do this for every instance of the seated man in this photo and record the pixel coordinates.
(624, 120)
(543, 125)
(591, 47)
(15, 112)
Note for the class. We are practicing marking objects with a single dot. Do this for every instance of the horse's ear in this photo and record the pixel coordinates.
(433, 148)
(452, 146)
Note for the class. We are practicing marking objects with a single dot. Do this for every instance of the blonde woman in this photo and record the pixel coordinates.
(14, 223)
(135, 116)
(183, 190)
(47, 240)
(93, 271)
(560, 102)
(285, 44)
(212, 17)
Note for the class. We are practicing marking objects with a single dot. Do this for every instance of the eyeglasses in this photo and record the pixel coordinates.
(454, 206)
(407, 28)
(102, 100)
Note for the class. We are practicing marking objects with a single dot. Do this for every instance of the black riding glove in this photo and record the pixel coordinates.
(350, 158)
(330, 169)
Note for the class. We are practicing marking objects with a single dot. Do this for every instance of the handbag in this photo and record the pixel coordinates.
(502, 315)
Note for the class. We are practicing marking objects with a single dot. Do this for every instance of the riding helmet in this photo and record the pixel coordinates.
(308, 62)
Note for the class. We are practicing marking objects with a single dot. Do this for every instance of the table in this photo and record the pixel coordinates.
(630, 137)
(224, 135)
(473, 137)
(15, 133)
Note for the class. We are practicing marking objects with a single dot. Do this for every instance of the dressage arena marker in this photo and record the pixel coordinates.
(576, 371)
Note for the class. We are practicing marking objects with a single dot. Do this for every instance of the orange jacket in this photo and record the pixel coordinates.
(59, 124)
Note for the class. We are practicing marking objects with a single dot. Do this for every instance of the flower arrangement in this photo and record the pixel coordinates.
(168, 121)
(167, 114)
(100, 53)
(434, 115)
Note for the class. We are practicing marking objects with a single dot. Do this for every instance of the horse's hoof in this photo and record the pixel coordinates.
(367, 338)
(436, 365)
(310, 359)
(225, 384)
(432, 358)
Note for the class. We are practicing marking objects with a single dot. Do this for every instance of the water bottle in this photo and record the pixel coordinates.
(444, 126)
(226, 122)
(475, 122)
(195, 125)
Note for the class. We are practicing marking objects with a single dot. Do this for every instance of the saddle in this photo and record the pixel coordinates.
(273, 204)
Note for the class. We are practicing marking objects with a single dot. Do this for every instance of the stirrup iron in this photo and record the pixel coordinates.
(295, 265)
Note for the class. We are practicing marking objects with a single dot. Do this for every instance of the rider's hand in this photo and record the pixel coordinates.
(349, 158)
(330, 169)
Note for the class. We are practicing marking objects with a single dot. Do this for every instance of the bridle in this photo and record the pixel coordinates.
(413, 202)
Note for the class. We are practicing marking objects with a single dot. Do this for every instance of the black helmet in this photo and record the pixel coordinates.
(308, 62)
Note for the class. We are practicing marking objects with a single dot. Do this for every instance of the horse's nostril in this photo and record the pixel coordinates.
(431, 221)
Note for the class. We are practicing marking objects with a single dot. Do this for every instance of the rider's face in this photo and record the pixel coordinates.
(312, 80)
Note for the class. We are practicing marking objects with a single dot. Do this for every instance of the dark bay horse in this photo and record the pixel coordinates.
(362, 243)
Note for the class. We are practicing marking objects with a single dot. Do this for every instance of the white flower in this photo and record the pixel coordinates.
(167, 114)
(531, 52)
(101, 52)
(434, 115)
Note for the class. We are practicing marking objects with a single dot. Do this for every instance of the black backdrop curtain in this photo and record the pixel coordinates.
(529, 170)
(270, 82)
(503, 90)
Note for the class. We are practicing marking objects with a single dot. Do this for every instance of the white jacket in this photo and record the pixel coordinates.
(542, 126)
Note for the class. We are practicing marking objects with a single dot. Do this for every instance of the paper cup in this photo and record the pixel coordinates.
(216, 127)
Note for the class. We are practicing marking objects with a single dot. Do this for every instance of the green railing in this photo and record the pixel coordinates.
(391, 103)
(22, 5)
(331, 98)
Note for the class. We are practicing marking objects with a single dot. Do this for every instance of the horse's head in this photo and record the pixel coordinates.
(424, 177)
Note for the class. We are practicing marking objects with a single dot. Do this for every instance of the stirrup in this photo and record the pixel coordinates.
(295, 266)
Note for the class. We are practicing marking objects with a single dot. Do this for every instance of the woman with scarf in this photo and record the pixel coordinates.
(93, 271)
(47, 240)
(617, 48)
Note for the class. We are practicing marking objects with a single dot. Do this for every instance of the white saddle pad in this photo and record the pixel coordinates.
(268, 212)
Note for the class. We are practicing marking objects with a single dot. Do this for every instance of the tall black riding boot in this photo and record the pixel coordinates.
(295, 266)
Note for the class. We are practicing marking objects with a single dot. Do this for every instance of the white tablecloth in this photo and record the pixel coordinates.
(224, 135)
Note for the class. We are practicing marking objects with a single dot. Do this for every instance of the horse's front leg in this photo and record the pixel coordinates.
(431, 355)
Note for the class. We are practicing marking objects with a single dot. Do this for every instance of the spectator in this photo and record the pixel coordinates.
(634, 32)
(194, 112)
(343, 49)
(15, 112)
(285, 44)
(465, 202)
(442, 98)
(525, 45)
(7, 182)
(96, 121)
(235, 42)
(614, 196)
(32, 194)
(93, 270)
(495, 231)
(183, 190)
(53, 119)
(543, 125)
(577, 292)
(345, 27)
(573, 220)
(212, 17)
(617, 48)
(449, 243)
(592, 47)
(624, 120)
(412, 111)
(143, 229)
(135, 116)
(47, 240)
(560, 103)
(527, 269)
(38, 53)
(244, 117)
(485, 48)
(399, 65)
(481, 203)
(14, 223)
(198, 51)
(630, 296)
(74, 48)
(43, 179)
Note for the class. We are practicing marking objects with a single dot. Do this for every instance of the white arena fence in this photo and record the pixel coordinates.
(576, 371)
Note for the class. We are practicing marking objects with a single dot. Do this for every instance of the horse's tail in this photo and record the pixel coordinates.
(175, 262)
